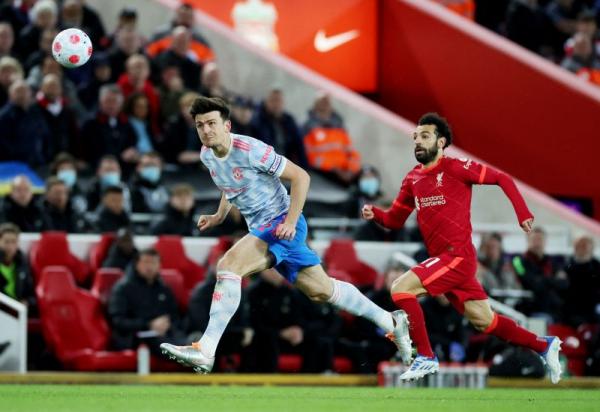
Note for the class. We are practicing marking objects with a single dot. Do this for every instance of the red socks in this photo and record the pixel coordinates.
(506, 329)
(418, 333)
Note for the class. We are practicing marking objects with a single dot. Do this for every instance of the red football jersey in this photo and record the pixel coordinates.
(442, 196)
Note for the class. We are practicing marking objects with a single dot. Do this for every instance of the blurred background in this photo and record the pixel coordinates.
(100, 162)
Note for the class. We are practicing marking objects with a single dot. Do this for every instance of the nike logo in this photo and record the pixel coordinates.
(324, 44)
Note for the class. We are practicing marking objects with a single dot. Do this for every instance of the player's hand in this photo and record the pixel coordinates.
(527, 225)
(161, 324)
(285, 231)
(293, 334)
(367, 212)
(207, 221)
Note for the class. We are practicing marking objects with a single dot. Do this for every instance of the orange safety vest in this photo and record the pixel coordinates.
(465, 8)
(201, 50)
(331, 148)
(591, 75)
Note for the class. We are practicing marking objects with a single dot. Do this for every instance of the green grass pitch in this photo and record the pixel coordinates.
(165, 398)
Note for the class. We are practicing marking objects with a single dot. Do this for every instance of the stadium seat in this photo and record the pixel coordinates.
(574, 347)
(99, 250)
(172, 255)
(104, 280)
(53, 250)
(292, 363)
(74, 327)
(174, 280)
(341, 255)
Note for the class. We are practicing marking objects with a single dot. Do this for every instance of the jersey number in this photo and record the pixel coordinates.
(430, 262)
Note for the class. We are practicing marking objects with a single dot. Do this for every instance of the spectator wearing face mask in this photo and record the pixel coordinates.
(367, 190)
(108, 174)
(148, 194)
(64, 167)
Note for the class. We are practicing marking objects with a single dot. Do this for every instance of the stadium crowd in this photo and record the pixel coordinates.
(114, 138)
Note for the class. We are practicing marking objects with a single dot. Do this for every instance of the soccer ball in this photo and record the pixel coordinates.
(72, 48)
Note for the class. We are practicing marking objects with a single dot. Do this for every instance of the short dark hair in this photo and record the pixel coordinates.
(9, 227)
(150, 251)
(61, 159)
(112, 189)
(442, 128)
(205, 104)
(53, 181)
(130, 103)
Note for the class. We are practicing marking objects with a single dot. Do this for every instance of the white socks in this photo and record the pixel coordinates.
(225, 301)
(347, 297)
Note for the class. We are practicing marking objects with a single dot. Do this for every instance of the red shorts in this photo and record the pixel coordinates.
(452, 276)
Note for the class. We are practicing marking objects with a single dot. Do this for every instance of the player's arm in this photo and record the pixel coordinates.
(208, 221)
(300, 182)
(396, 215)
(476, 173)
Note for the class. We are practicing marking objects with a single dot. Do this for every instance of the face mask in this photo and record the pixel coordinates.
(110, 179)
(150, 174)
(369, 186)
(68, 176)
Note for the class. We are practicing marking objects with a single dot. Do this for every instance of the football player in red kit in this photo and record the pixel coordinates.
(440, 189)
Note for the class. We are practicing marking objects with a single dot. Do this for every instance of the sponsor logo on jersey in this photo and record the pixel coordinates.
(438, 200)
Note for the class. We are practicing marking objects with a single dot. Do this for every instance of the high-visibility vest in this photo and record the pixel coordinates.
(202, 51)
(465, 8)
(590, 74)
(331, 148)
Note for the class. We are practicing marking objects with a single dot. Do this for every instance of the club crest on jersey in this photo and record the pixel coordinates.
(213, 173)
(439, 182)
(237, 173)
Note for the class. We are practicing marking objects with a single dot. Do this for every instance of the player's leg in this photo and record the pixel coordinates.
(248, 255)
(319, 287)
(481, 316)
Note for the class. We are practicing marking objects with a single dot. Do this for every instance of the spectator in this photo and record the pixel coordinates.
(128, 43)
(278, 128)
(109, 132)
(368, 190)
(59, 117)
(242, 111)
(57, 211)
(179, 55)
(20, 208)
(178, 218)
(44, 50)
(200, 50)
(64, 167)
(101, 73)
(15, 275)
(16, 13)
(122, 252)
(137, 110)
(237, 336)
(542, 276)
(43, 15)
(25, 134)
(279, 325)
(583, 61)
(75, 13)
(182, 145)
(327, 144)
(108, 174)
(127, 20)
(10, 70)
(586, 25)
(136, 80)
(7, 39)
(111, 215)
(583, 295)
(170, 91)
(210, 83)
(562, 15)
(494, 270)
(148, 194)
(141, 302)
(527, 25)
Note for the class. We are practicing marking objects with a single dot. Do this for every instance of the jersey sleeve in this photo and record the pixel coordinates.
(473, 172)
(264, 158)
(401, 208)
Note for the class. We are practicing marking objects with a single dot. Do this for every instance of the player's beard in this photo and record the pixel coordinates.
(426, 155)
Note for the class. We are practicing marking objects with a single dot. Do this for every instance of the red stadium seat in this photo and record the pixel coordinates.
(104, 280)
(173, 256)
(341, 255)
(174, 280)
(99, 251)
(293, 364)
(53, 250)
(74, 327)
(574, 347)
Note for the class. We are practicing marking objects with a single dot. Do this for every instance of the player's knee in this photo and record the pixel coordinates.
(480, 321)
(228, 263)
(401, 285)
